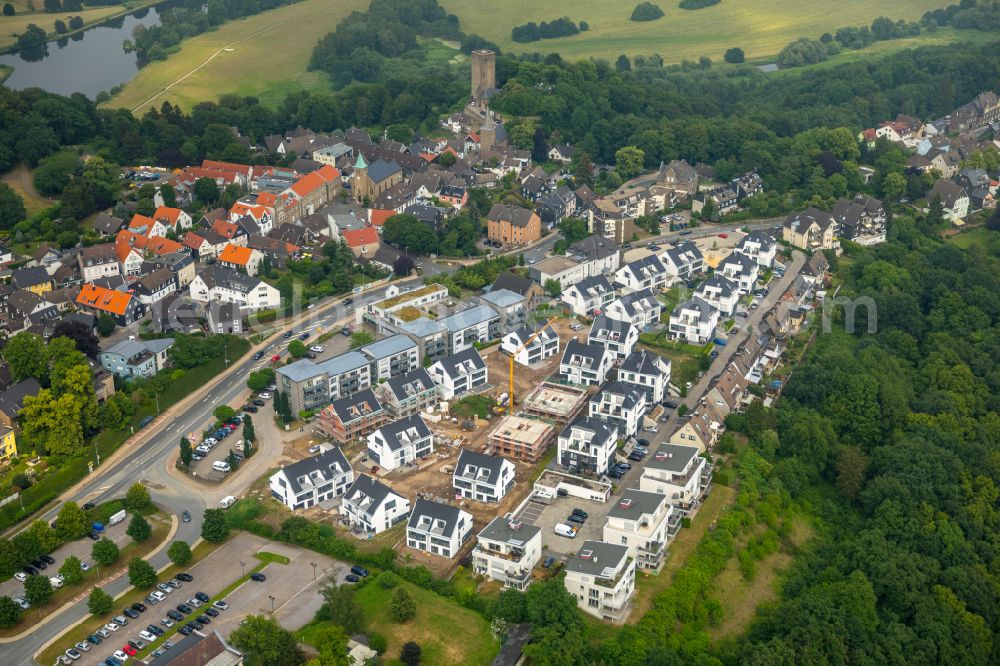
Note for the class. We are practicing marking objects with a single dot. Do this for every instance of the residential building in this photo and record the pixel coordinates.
(482, 477)
(587, 446)
(437, 528)
(476, 324)
(645, 273)
(728, 391)
(390, 357)
(953, 197)
(34, 279)
(741, 269)
(507, 552)
(155, 286)
(589, 295)
(12, 400)
(123, 307)
(720, 292)
(311, 385)
(224, 318)
(694, 321)
(759, 246)
(371, 506)
(218, 283)
(647, 372)
(700, 430)
(565, 271)
(679, 176)
(512, 225)
(679, 473)
(529, 345)
(640, 308)
(645, 523)
(616, 336)
(205, 648)
(683, 262)
(137, 358)
(621, 405)
(811, 229)
(861, 220)
(8, 445)
(98, 261)
(585, 364)
(521, 438)
(400, 442)
(407, 394)
(308, 482)
(602, 578)
(459, 373)
(511, 306)
(530, 290)
(241, 258)
(351, 418)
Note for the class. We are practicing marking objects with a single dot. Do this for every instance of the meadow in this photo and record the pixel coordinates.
(263, 56)
(760, 27)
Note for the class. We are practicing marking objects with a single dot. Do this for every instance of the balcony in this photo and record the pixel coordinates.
(613, 582)
(514, 555)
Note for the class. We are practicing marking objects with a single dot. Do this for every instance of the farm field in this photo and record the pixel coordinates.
(264, 56)
(761, 28)
(12, 26)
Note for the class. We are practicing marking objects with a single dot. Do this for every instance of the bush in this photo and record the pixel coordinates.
(410, 655)
(697, 4)
(378, 642)
(403, 607)
(734, 55)
(646, 11)
(224, 412)
(387, 579)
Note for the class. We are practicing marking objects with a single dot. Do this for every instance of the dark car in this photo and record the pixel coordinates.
(351, 578)
(39, 564)
(250, 408)
(195, 624)
(616, 473)
(623, 465)
(579, 520)
(562, 492)
(186, 577)
(129, 613)
(211, 612)
(201, 596)
(136, 645)
(311, 355)
(643, 442)
(286, 335)
(258, 355)
(359, 571)
(174, 615)
(184, 608)
(31, 571)
(48, 559)
(204, 620)
(186, 516)
(347, 301)
(94, 536)
(155, 630)
(87, 506)
(139, 607)
(259, 577)
(304, 335)
(94, 639)
(258, 402)
(635, 456)
(670, 403)
(184, 631)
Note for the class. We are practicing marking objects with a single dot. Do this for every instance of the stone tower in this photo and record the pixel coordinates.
(359, 179)
(487, 133)
(484, 80)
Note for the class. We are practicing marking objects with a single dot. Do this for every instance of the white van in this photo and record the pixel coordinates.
(220, 466)
(227, 501)
(56, 583)
(564, 530)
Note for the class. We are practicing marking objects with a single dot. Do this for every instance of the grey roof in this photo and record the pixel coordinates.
(705, 309)
(805, 218)
(12, 400)
(672, 457)
(357, 405)
(366, 488)
(525, 332)
(425, 513)
(462, 363)
(736, 258)
(471, 316)
(300, 370)
(605, 328)
(629, 394)
(229, 278)
(634, 503)
(423, 327)
(593, 286)
(98, 254)
(388, 347)
(107, 224)
(685, 253)
(317, 469)
(338, 365)
(593, 248)
(473, 465)
(412, 427)
(588, 356)
(413, 382)
(719, 281)
(380, 169)
(29, 277)
(766, 241)
(514, 283)
(601, 431)
(596, 558)
(502, 298)
(648, 264)
(517, 216)
(639, 301)
(132, 348)
(499, 529)
(948, 191)
(643, 362)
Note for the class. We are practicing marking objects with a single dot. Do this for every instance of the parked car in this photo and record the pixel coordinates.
(129, 650)
(211, 612)
(73, 654)
(21, 576)
(318, 349)
(549, 561)
(174, 583)
(174, 615)
(39, 564)
(155, 630)
(184, 576)
(221, 604)
(94, 536)
(103, 632)
(160, 596)
(359, 571)
(579, 520)
(185, 631)
(131, 613)
(351, 578)
(204, 619)
(194, 603)
(251, 409)
(147, 635)
(259, 577)
(184, 608)
(111, 626)
(201, 596)
(264, 396)
(258, 402)
(167, 622)
(48, 559)
(616, 473)
(94, 639)
(120, 656)
(82, 646)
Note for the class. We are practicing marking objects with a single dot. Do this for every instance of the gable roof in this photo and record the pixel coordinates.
(30, 277)
(593, 286)
(587, 356)
(479, 466)
(462, 363)
(644, 362)
(357, 405)
(402, 432)
(369, 494)
(514, 283)
(316, 470)
(360, 237)
(434, 516)
(236, 254)
(406, 385)
(108, 300)
(518, 217)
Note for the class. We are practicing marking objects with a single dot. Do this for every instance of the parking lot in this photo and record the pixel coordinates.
(548, 516)
(292, 587)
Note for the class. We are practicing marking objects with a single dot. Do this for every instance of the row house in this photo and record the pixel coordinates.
(401, 442)
(371, 507)
(482, 477)
(723, 198)
(309, 482)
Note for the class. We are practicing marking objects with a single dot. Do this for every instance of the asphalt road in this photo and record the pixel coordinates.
(148, 462)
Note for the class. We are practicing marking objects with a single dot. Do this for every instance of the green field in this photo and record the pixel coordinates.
(265, 56)
(760, 27)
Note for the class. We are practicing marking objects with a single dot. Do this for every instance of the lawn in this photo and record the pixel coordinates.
(473, 405)
(11, 26)
(978, 236)
(437, 623)
(760, 28)
(264, 56)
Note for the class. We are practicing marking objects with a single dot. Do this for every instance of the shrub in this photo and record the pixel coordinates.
(387, 579)
(646, 11)
(734, 55)
(697, 4)
(403, 607)
(378, 642)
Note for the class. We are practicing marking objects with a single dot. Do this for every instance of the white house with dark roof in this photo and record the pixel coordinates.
(694, 321)
(588, 295)
(400, 442)
(618, 337)
(602, 578)
(721, 292)
(482, 477)
(544, 344)
(620, 404)
(649, 373)
(507, 551)
(585, 364)
(317, 479)
(640, 308)
(407, 394)
(679, 473)
(372, 506)
(600, 254)
(587, 445)
(437, 528)
(741, 269)
(759, 246)
(645, 523)
(953, 197)
(683, 262)
(459, 373)
(479, 323)
(218, 283)
(137, 358)
(645, 273)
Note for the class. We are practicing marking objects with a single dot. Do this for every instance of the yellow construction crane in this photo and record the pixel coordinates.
(516, 352)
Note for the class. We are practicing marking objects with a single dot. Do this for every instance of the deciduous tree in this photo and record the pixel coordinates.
(99, 602)
(265, 643)
(38, 590)
(138, 528)
(179, 553)
(141, 573)
(629, 161)
(137, 498)
(70, 570)
(214, 527)
(71, 523)
(104, 552)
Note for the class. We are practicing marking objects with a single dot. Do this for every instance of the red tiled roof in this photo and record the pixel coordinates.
(360, 237)
(171, 215)
(192, 240)
(141, 224)
(309, 183)
(108, 300)
(227, 166)
(267, 199)
(224, 228)
(159, 245)
(235, 254)
(378, 216)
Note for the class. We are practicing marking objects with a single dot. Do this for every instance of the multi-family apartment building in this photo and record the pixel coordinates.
(459, 373)
(585, 364)
(641, 308)
(620, 404)
(684, 261)
(721, 292)
(530, 345)
(588, 295)
(351, 418)
(371, 506)
(313, 480)
(618, 337)
(407, 394)
(438, 529)
(602, 578)
(679, 473)
(400, 442)
(694, 321)
(587, 446)
(759, 246)
(647, 372)
(741, 269)
(482, 477)
(645, 273)
(507, 552)
(645, 523)
(477, 324)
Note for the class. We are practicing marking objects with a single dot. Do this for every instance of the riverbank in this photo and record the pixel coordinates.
(12, 26)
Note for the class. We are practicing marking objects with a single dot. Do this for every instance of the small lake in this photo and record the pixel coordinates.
(88, 62)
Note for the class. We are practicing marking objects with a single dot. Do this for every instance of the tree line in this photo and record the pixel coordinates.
(560, 27)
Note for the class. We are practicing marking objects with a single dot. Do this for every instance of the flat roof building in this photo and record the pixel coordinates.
(520, 438)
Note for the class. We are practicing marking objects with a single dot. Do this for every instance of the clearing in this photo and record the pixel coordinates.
(19, 179)
(761, 28)
(12, 26)
(263, 56)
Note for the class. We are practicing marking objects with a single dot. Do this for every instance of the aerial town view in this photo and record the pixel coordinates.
(455, 333)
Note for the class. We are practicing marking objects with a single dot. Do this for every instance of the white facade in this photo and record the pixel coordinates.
(760, 247)
(620, 404)
(640, 308)
(649, 372)
(720, 292)
(618, 337)
(645, 273)
(459, 374)
(482, 477)
(262, 296)
(437, 528)
(313, 480)
(645, 523)
(679, 473)
(371, 506)
(507, 552)
(586, 296)
(602, 578)
(585, 364)
(741, 269)
(400, 443)
(544, 345)
(694, 321)
(587, 446)
(684, 261)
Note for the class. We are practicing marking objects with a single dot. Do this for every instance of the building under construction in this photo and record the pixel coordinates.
(520, 438)
(555, 402)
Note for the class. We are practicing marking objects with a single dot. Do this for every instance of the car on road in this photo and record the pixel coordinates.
(184, 576)
(723, 235)
(186, 516)
(347, 301)
(258, 577)
(351, 578)
(286, 335)
(87, 506)
(275, 358)
(258, 355)
(221, 604)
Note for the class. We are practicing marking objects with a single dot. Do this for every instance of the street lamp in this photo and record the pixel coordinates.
(314, 570)
(243, 566)
(271, 597)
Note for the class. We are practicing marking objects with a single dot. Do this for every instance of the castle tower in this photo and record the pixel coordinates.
(359, 179)
(487, 133)
(484, 80)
